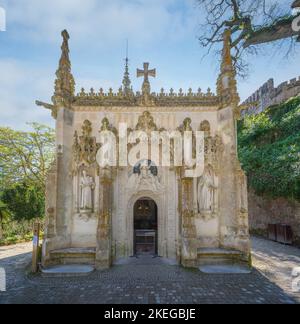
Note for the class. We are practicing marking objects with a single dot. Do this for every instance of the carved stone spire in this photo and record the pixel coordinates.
(126, 80)
(226, 55)
(64, 83)
(227, 85)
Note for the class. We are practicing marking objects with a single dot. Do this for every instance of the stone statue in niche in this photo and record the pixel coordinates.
(87, 186)
(206, 193)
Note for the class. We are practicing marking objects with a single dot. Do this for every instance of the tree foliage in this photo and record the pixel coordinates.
(25, 202)
(269, 148)
(25, 158)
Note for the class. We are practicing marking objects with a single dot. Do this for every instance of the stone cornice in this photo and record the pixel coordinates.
(141, 109)
(161, 99)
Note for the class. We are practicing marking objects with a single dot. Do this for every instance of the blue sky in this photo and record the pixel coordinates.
(163, 32)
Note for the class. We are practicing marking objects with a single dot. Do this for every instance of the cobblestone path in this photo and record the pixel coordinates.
(155, 281)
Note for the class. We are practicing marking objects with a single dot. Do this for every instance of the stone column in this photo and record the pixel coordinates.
(189, 233)
(104, 232)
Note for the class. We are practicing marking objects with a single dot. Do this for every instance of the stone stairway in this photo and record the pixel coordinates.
(222, 261)
(73, 270)
(218, 256)
(71, 256)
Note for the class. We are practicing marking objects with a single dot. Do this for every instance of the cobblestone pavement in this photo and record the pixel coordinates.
(276, 262)
(155, 281)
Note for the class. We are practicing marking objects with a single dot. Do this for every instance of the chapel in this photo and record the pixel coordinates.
(100, 214)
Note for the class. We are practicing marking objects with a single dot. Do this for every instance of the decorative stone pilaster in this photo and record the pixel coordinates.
(189, 233)
(104, 239)
(51, 212)
(51, 198)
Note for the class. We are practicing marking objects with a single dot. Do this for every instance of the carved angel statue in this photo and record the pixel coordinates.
(87, 186)
(206, 191)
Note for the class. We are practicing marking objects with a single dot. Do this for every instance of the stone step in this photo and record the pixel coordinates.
(72, 270)
(74, 256)
(225, 269)
(219, 256)
(218, 251)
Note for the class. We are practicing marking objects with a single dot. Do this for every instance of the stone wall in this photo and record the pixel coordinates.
(268, 95)
(264, 211)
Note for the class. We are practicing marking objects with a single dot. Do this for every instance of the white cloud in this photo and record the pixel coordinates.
(99, 22)
(19, 86)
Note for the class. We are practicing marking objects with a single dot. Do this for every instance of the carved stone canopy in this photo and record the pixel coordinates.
(146, 123)
(85, 147)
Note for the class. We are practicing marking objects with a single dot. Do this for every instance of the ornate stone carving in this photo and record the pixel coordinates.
(227, 85)
(213, 149)
(242, 202)
(85, 147)
(64, 83)
(205, 127)
(186, 126)
(145, 180)
(146, 123)
(51, 201)
(161, 99)
(189, 231)
(107, 127)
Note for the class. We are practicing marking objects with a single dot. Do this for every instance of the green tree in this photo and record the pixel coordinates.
(25, 202)
(4, 216)
(25, 157)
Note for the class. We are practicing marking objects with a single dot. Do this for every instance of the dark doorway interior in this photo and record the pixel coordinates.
(145, 227)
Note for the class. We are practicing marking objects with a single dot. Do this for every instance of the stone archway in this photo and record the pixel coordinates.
(145, 222)
(161, 235)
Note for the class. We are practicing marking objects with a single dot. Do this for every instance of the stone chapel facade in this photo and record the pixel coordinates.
(100, 215)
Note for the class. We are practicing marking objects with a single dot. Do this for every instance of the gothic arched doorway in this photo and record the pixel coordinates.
(145, 227)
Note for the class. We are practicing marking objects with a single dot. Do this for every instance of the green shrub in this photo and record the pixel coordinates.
(269, 150)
